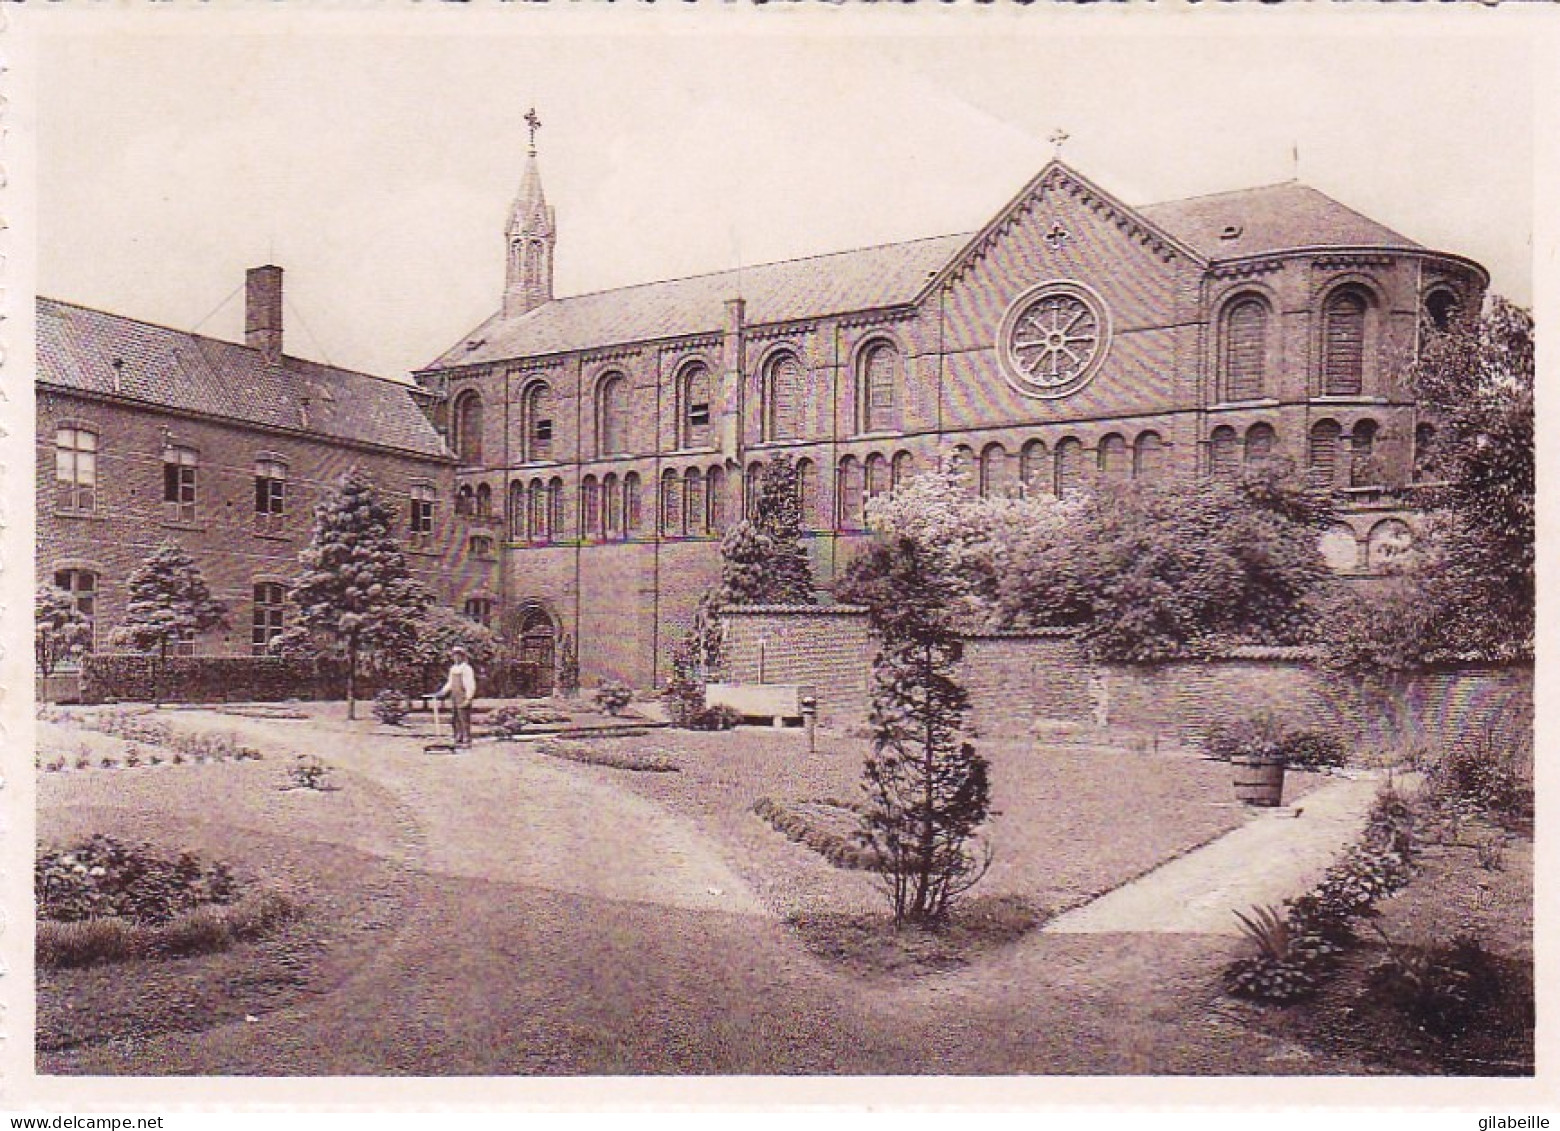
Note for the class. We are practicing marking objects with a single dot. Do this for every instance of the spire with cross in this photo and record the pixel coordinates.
(1058, 139)
(533, 123)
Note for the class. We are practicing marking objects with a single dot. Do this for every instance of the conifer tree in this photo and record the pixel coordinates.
(355, 590)
(169, 603)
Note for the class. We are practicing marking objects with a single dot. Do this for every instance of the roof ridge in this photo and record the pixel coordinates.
(750, 267)
(1238, 192)
(198, 337)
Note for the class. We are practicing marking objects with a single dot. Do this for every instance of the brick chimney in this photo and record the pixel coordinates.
(263, 312)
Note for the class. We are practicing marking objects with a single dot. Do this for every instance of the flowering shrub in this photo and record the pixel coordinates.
(308, 772)
(391, 707)
(102, 877)
(613, 697)
(1264, 737)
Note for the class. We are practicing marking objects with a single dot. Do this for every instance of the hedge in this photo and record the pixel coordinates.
(252, 679)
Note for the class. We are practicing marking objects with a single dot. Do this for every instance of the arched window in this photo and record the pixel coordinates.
(671, 504)
(633, 504)
(851, 489)
(783, 386)
(465, 500)
(1069, 467)
(536, 422)
(1389, 544)
(555, 507)
(82, 585)
(612, 507)
(715, 488)
(516, 508)
(807, 490)
(1224, 453)
(1148, 456)
(1035, 468)
(877, 389)
(1341, 548)
(694, 414)
(75, 468)
(468, 427)
(1322, 452)
(1441, 309)
(1115, 463)
(1343, 344)
(484, 501)
(1424, 452)
(1261, 442)
(878, 481)
(612, 415)
(540, 529)
(480, 546)
(590, 508)
(967, 467)
(755, 477)
(694, 501)
(993, 477)
(902, 470)
(1245, 350)
(1363, 470)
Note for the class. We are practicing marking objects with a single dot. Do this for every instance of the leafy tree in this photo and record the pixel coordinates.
(169, 602)
(59, 628)
(1477, 383)
(763, 561)
(424, 654)
(355, 592)
(928, 790)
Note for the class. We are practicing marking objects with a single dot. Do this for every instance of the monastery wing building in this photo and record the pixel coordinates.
(146, 433)
(1073, 337)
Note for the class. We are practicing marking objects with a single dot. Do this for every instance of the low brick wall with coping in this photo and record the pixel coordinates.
(1017, 679)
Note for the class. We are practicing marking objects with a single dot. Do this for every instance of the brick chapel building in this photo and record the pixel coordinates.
(145, 433)
(1072, 336)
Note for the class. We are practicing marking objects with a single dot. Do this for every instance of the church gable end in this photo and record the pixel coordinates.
(1068, 297)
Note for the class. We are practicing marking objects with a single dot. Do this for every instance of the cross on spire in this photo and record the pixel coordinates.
(533, 123)
(1058, 139)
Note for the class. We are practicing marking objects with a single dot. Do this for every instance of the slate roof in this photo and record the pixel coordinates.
(865, 279)
(77, 348)
(1271, 218)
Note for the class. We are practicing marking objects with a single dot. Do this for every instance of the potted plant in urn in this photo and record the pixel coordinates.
(1257, 747)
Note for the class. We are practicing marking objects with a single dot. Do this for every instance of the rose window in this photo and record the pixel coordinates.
(1054, 338)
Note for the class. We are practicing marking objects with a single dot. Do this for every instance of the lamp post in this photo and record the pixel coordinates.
(810, 722)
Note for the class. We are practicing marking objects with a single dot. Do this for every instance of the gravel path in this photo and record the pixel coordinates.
(1280, 854)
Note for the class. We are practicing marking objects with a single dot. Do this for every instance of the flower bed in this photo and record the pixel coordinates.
(827, 826)
(644, 759)
(103, 901)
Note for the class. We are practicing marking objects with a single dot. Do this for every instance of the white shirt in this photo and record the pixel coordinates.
(461, 686)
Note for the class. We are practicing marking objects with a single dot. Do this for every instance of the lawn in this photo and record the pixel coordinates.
(540, 883)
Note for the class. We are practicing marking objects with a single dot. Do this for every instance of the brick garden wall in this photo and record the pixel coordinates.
(1016, 679)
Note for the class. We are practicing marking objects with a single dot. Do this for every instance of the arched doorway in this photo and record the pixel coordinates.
(538, 652)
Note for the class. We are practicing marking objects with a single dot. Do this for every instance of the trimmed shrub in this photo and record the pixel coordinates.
(201, 930)
(719, 717)
(308, 772)
(613, 697)
(513, 721)
(391, 707)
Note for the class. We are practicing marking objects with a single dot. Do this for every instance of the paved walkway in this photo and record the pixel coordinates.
(1278, 854)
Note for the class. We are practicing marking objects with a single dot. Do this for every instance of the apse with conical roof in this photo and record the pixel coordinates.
(528, 281)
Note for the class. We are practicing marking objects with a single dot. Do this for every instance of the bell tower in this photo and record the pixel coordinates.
(529, 239)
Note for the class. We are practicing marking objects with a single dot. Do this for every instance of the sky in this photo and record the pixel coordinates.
(377, 170)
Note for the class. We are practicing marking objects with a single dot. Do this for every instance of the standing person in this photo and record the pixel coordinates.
(461, 688)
